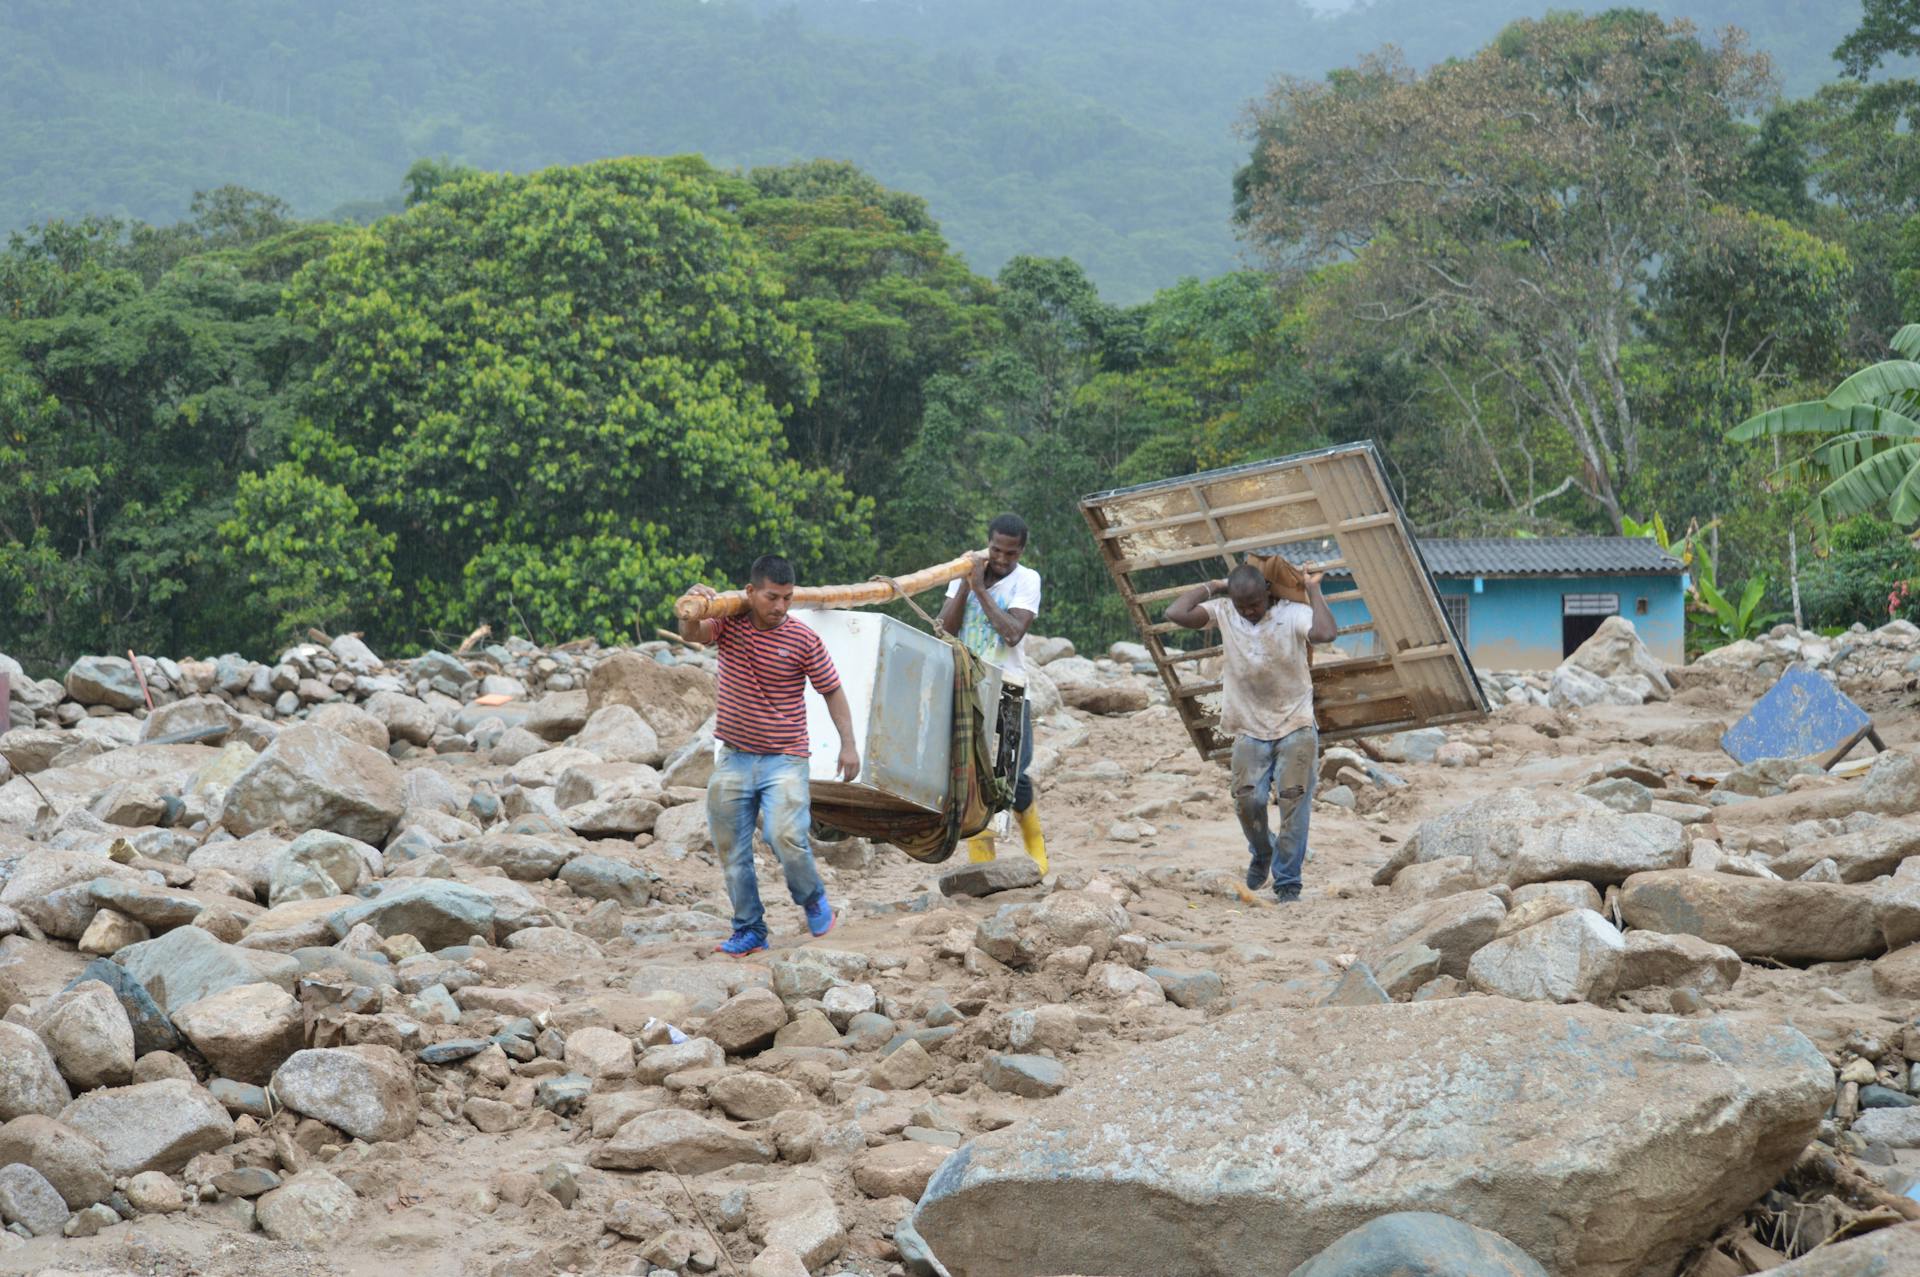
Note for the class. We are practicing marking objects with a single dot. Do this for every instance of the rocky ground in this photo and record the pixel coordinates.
(333, 966)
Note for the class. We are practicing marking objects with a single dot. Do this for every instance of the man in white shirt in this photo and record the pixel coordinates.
(990, 611)
(1266, 703)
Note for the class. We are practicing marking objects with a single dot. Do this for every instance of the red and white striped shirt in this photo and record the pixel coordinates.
(763, 677)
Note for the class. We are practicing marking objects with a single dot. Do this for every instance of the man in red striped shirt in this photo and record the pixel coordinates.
(761, 758)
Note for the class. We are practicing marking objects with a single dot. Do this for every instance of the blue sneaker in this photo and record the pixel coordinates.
(742, 942)
(820, 916)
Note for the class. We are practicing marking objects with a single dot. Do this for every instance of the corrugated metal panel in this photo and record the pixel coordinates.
(1525, 556)
(1337, 499)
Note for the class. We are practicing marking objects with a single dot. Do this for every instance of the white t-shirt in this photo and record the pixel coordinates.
(1019, 588)
(1266, 690)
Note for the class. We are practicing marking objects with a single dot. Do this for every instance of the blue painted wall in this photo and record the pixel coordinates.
(1514, 623)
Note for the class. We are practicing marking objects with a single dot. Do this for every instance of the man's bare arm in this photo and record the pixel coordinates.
(698, 631)
(1186, 609)
(1324, 628)
(842, 715)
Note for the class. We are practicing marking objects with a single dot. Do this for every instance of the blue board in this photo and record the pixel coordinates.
(1802, 714)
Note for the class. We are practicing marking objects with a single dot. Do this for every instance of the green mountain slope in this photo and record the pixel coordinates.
(1104, 131)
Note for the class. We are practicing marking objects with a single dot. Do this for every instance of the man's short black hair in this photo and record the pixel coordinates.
(1008, 525)
(771, 569)
(1245, 579)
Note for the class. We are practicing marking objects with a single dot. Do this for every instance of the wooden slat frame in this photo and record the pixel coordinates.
(1420, 673)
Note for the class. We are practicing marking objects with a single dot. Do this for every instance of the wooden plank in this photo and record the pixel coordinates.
(1206, 513)
(1197, 654)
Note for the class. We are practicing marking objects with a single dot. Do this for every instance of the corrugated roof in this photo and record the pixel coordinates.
(1526, 556)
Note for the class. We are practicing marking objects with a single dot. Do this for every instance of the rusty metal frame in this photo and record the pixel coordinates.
(1420, 674)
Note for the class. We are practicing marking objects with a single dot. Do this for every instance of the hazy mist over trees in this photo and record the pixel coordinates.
(1105, 130)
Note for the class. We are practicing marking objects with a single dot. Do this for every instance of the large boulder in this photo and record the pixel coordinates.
(188, 964)
(30, 1081)
(72, 1162)
(352, 722)
(434, 912)
(366, 1091)
(1570, 957)
(676, 1140)
(1518, 836)
(1643, 1134)
(1757, 917)
(311, 778)
(1420, 1244)
(405, 717)
(673, 699)
(53, 889)
(1615, 651)
(620, 735)
(245, 1032)
(154, 1126)
(104, 680)
(320, 864)
(1454, 926)
(207, 720)
(89, 1034)
(1860, 855)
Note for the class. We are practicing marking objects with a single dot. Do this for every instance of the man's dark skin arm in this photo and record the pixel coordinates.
(1186, 609)
(1324, 628)
(1010, 623)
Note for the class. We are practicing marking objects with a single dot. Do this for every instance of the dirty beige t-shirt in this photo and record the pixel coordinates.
(1267, 691)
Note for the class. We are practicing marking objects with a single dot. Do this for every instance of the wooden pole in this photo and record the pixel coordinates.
(820, 597)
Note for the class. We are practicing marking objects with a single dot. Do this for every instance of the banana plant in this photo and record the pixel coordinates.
(1729, 621)
(1868, 456)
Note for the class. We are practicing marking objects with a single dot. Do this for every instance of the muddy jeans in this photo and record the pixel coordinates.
(1284, 770)
(768, 792)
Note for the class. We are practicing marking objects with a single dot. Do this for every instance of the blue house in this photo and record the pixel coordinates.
(1527, 603)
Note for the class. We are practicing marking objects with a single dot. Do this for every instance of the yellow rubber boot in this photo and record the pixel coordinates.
(980, 847)
(1030, 834)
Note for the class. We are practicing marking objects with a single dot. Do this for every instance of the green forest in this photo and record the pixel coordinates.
(1595, 273)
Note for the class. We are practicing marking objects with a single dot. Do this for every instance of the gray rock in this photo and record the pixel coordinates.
(1757, 917)
(319, 864)
(104, 680)
(204, 720)
(676, 1140)
(1007, 873)
(1654, 959)
(1615, 650)
(152, 1029)
(1487, 1105)
(519, 856)
(1356, 988)
(1191, 989)
(603, 878)
(27, 1199)
(311, 778)
(436, 913)
(1620, 794)
(1032, 1076)
(1420, 1244)
(404, 717)
(72, 1163)
(1894, 1127)
(1410, 967)
(1518, 836)
(1859, 855)
(1453, 926)
(312, 1208)
(746, 1022)
(30, 1082)
(244, 1032)
(1417, 746)
(89, 1035)
(188, 964)
(150, 1126)
(618, 734)
(1571, 957)
(366, 1091)
(1892, 784)
(1764, 777)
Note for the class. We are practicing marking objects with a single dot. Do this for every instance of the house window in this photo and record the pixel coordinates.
(1639, 607)
(1581, 615)
(1456, 607)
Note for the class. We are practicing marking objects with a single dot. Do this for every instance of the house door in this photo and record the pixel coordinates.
(1580, 616)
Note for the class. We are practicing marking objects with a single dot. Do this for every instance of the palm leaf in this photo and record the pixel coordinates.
(1817, 417)
(1750, 599)
(1890, 477)
(1907, 341)
(1893, 380)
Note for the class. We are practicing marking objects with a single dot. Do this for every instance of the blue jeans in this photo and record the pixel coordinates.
(767, 792)
(1284, 769)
